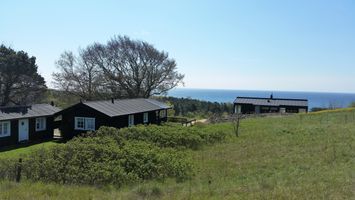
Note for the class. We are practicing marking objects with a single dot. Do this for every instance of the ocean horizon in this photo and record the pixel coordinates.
(315, 99)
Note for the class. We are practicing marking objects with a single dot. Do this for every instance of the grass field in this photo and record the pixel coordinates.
(18, 151)
(295, 157)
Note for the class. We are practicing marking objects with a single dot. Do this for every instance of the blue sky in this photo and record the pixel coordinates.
(303, 45)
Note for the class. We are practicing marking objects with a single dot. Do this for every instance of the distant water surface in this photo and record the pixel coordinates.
(315, 99)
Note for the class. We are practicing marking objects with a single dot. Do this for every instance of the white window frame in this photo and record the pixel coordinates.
(86, 125)
(42, 122)
(145, 117)
(130, 120)
(2, 128)
(163, 113)
(76, 123)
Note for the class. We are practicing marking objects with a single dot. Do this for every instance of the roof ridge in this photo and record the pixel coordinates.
(25, 106)
(126, 106)
(109, 100)
(264, 98)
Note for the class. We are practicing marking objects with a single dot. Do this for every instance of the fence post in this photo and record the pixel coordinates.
(18, 171)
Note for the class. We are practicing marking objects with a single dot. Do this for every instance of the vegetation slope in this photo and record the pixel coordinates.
(296, 157)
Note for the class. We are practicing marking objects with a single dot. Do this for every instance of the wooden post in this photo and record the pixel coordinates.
(236, 123)
(18, 170)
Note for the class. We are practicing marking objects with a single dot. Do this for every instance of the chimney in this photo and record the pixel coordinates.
(112, 100)
(52, 103)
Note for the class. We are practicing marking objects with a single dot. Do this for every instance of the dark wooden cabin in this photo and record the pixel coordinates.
(26, 123)
(255, 105)
(86, 116)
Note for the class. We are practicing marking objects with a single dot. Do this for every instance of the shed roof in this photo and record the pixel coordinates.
(18, 112)
(271, 101)
(126, 106)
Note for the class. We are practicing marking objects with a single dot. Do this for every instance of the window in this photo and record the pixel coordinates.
(145, 117)
(40, 124)
(89, 123)
(5, 129)
(84, 123)
(282, 110)
(302, 110)
(79, 123)
(130, 120)
(162, 113)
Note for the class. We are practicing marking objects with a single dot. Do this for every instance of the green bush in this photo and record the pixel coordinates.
(169, 135)
(116, 156)
(93, 161)
(163, 136)
(100, 161)
(166, 136)
(8, 169)
(148, 161)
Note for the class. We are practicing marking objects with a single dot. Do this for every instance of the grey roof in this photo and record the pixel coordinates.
(126, 106)
(271, 102)
(18, 112)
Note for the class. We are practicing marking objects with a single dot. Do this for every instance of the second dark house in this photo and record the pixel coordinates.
(86, 116)
(256, 105)
(26, 123)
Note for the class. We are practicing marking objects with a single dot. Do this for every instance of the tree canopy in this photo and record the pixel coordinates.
(20, 82)
(79, 76)
(121, 68)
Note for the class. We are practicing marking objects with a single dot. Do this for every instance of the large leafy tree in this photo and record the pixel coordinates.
(20, 82)
(136, 68)
(122, 68)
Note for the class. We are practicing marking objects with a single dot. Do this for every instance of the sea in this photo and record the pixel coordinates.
(315, 99)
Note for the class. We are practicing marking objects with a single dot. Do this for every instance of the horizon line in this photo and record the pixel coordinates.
(266, 90)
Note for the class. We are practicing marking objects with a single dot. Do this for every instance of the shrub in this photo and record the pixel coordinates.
(100, 161)
(116, 156)
(163, 136)
(8, 169)
(93, 161)
(151, 162)
(166, 136)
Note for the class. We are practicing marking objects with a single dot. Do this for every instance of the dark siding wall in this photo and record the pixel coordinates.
(152, 117)
(247, 108)
(13, 138)
(138, 118)
(80, 110)
(293, 109)
(122, 121)
(33, 135)
(269, 109)
(165, 119)
(38, 135)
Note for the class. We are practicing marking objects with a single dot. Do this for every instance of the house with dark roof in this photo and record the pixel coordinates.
(26, 123)
(255, 105)
(86, 116)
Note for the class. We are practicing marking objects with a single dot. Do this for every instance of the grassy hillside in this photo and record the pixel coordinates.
(16, 151)
(295, 157)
